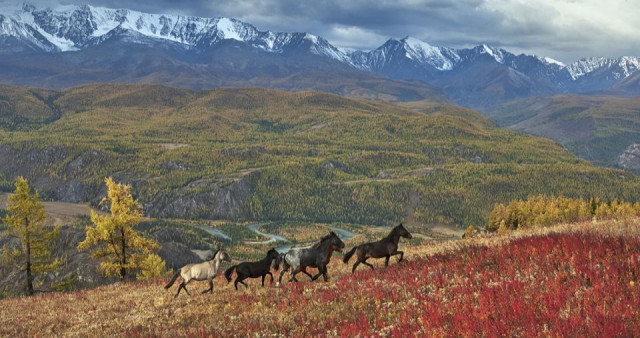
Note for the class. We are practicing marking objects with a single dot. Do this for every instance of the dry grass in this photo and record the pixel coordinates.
(146, 308)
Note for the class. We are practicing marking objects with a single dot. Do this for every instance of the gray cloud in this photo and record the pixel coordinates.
(562, 29)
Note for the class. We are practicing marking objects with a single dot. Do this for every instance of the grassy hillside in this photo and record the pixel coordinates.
(579, 278)
(256, 154)
(596, 128)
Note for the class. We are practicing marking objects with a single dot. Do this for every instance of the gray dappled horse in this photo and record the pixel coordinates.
(316, 256)
(201, 271)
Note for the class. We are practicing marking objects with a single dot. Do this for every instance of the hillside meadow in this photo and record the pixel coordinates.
(580, 279)
(249, 154)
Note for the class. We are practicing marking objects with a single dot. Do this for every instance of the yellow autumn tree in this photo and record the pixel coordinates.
(152, 267)
(26, 221)
(113, 240)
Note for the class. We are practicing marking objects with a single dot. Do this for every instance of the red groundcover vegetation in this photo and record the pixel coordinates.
(579, 283)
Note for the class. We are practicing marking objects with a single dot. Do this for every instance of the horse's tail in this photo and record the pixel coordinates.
(348, 255)
(227, 274)
(173, 280)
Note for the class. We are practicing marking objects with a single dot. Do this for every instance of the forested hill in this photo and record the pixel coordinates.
(261, 154)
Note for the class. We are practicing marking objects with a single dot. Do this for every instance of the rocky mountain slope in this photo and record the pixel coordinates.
(597, 128)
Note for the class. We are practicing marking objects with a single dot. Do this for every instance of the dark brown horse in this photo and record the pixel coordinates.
(385, 247)
(257, 269)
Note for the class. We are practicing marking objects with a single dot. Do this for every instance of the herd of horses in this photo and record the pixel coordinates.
(295, 260)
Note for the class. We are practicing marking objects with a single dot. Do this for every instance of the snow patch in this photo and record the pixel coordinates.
(551, 61)
(423, 52)
(227, 28)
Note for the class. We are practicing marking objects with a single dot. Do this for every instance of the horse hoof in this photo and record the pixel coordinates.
(277, 284)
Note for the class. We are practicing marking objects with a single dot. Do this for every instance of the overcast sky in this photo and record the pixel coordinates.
(565, 30)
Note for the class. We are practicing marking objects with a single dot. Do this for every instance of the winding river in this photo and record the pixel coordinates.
(344, 234)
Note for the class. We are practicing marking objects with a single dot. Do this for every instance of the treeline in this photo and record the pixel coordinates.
(542, 210)
(110, 239)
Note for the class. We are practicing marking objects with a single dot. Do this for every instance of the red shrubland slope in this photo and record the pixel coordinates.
(575, 279)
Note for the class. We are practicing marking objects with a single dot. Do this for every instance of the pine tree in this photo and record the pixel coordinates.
(26, 218)
(113, 239)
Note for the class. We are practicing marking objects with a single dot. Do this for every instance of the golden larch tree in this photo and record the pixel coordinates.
(26, 220)
(113, 239)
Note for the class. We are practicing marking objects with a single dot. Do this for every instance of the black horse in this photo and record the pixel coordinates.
(316, 256)
(257, 269)
(385, 247)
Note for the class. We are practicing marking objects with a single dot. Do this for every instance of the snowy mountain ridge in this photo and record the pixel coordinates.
(70, 28)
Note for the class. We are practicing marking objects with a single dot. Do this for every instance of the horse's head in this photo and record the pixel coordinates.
(402, 231)
(335, 243)
(273, 255)
(222, 256)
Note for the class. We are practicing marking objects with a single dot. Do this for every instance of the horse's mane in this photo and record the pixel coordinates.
(215, 253)
(324, 239)
(394, 231)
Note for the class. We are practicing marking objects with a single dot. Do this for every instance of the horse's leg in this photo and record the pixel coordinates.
(367, 264)
(236, 283)
(270, 275)
(317, 275)
(179, 289)
(185, 289)
(243, 283)
(401, 253)
(355, 266)
(386, 261)
(285, 267)
(304, 269)
(325, 273)
(263, 276)
(294, 272)
(321, 271)
(210, 289)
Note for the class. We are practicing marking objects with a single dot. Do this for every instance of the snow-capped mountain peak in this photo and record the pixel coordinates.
(496, 53)
(29, 28)
(619, 68)
(68, 28)
(421, 51)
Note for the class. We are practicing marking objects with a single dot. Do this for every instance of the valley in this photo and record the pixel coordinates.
(254, 155)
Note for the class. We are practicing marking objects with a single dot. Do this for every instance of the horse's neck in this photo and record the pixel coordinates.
(215, 263)
(393, 237)
(267, 260)
(326, 247)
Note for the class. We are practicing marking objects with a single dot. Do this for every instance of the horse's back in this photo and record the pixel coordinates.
(377, 249)
(292, 257)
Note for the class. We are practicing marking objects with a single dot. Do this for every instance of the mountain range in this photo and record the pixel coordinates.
(72, 45)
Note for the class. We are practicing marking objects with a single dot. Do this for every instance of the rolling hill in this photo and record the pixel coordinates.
(597, 128)
(258, 154)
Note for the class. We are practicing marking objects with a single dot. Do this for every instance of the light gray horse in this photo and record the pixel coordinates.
(202, 271)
